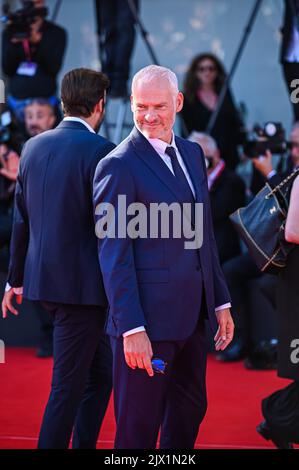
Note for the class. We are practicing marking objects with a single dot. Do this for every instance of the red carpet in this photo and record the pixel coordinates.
(234, 396)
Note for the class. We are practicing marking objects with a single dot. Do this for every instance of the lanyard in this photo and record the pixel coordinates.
(26, 48)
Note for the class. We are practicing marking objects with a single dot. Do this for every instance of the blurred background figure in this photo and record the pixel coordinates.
(289, 53)
(227, 194)
(203, 82)
(32, 57)
(10, 146)
(116, 28)
(281, 409)
(39, 117)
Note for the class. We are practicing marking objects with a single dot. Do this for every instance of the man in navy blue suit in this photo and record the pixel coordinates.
(54, 260)
(159, 292)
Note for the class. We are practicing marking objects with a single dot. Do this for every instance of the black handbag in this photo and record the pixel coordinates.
(261, 226)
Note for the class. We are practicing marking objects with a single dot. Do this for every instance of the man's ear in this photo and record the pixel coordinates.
(179, 102)
(100, 106)
(131, 101)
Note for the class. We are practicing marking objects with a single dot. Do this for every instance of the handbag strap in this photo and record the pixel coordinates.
(283, 183)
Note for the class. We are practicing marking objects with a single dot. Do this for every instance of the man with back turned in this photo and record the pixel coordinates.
(54, 260)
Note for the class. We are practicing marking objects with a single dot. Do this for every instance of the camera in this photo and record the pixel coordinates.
(19, 22)
(270, 137)
(5, 122)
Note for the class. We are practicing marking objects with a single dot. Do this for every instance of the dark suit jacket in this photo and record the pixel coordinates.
(156, 282)
(54, 247)
(227, 195)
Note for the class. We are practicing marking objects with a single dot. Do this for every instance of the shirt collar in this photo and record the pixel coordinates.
(159, 145)
(77, 119)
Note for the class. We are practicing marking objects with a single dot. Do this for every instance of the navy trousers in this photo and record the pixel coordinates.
(82, 377)
(176, 402)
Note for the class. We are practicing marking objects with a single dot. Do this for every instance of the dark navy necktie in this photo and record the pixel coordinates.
(180, 175)
(185, 189)
(182, 181)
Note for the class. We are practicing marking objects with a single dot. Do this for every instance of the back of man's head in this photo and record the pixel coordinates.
(81, 90)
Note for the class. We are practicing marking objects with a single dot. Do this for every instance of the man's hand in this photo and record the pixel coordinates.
(7, 303)
(225, 332)
(138, 352)
(264, 164)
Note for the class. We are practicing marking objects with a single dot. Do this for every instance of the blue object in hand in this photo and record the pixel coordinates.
(159, 365)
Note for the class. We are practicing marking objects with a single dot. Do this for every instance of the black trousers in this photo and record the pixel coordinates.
(291, 72)
(82, 377)
(175, 401)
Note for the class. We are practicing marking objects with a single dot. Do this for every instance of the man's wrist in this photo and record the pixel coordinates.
(17, 290)
(133, 331)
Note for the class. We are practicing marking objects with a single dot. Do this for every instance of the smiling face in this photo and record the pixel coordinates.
(154, 105)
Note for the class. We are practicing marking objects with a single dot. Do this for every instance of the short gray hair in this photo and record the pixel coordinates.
(204, 139)
(154, 72)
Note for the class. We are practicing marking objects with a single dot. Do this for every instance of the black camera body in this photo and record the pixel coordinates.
(19, 22)
(271, 137)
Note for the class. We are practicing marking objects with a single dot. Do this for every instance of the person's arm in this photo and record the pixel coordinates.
(12, 55)
(225, 331)
(50, 50)
(18, 250)
(292, 223)
(20, 235)
(116, 257)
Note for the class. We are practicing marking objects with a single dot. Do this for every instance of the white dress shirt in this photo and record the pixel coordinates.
(19, 290)
(160, 147)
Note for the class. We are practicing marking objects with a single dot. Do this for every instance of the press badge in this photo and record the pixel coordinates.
(27, 68)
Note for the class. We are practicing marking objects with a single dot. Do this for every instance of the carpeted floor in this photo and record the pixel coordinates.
(234, 395)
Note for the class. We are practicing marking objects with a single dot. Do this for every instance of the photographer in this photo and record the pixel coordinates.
(9, 166)
(32, 63)
(264, 166)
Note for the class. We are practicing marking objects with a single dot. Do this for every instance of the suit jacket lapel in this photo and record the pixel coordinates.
(151, 158)
(192, 168)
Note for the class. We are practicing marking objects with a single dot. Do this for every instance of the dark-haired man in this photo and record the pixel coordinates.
(54, 258)
(39, 117)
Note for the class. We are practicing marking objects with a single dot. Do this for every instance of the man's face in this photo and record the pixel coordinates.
(154, 106)
(38, 118)
(294, 139)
